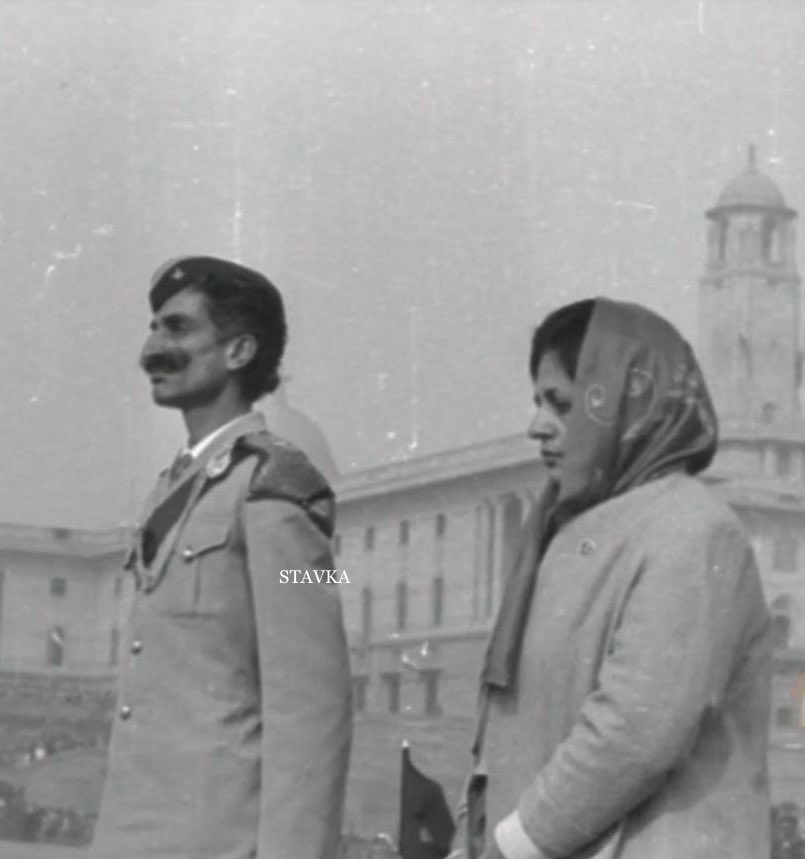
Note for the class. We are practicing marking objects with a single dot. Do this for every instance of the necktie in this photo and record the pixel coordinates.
(180, 465)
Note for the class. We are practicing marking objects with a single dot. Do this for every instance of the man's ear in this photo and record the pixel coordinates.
(240, 351)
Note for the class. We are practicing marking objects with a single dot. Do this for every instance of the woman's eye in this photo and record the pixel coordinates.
(557, 403)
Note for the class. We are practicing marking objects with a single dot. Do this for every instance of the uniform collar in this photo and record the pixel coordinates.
(234, 427)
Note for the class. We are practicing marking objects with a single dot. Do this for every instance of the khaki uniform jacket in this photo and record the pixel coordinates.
(639, 723)
(233, 729)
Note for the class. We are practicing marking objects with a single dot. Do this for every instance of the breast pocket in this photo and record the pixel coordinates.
(199, 576)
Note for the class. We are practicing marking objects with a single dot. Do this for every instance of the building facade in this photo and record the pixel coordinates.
(63, 599)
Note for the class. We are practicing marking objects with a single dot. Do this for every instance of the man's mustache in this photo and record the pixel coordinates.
(164, 362)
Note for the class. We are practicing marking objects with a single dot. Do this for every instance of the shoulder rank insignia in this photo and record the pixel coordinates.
(284, 472)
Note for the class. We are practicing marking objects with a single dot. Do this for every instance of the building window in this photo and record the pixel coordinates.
(404, 533)
(366, 614)
(781, 604)
(441, 526)
(369, 539)
(337, 544)
(785, 553)
(785, 717)
(114, 647)
(781, 631)
(55, 646)
(402, 605)
(430, 683)
(722, 241)
(512, 524)
(437, 596)
(783, 461)
(770, 240)
(58, 586)
(392, 681)
(749, 243)
(359, 687)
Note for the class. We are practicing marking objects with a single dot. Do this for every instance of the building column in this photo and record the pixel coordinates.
(487, 552)
(479, 524)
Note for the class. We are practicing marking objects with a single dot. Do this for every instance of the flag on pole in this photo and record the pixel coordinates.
(426, 825)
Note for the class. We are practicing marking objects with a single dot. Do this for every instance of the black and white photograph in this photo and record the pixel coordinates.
(402, 407)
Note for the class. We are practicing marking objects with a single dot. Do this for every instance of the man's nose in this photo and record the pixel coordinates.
(542, 426)
(154, 345)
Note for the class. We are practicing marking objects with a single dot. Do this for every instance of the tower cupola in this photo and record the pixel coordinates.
(749, 301)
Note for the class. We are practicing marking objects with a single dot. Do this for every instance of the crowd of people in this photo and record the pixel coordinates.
(45, 721)
(25, 752)
(787, 841)
(21, 821)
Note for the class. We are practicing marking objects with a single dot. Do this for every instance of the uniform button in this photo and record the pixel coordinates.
(188, 554)
(136, 647)
(125, 712)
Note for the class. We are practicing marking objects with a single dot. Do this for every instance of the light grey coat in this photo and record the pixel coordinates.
(639, 723)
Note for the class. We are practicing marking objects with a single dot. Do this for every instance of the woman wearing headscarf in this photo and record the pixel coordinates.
(626, 688)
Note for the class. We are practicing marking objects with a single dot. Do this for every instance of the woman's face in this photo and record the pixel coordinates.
(553, 397)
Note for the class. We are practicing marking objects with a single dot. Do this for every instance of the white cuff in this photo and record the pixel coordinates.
(513, 840)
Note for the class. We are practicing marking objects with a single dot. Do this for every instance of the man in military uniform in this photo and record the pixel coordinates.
(233, 727)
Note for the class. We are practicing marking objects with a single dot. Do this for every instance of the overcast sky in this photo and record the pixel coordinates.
(423, 181)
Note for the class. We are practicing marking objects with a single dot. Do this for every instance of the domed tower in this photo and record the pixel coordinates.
(749, 312)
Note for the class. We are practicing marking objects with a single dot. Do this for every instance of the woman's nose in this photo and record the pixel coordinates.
(541, 426)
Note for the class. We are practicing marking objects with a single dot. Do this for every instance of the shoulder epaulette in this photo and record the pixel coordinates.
(284, 472)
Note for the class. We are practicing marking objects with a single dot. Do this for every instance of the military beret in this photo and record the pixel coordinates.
(177, 274)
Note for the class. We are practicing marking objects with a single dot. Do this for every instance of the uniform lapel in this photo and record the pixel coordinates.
(173, 505)
(133, 561)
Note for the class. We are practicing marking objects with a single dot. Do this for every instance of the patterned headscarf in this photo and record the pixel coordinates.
(641, 410)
